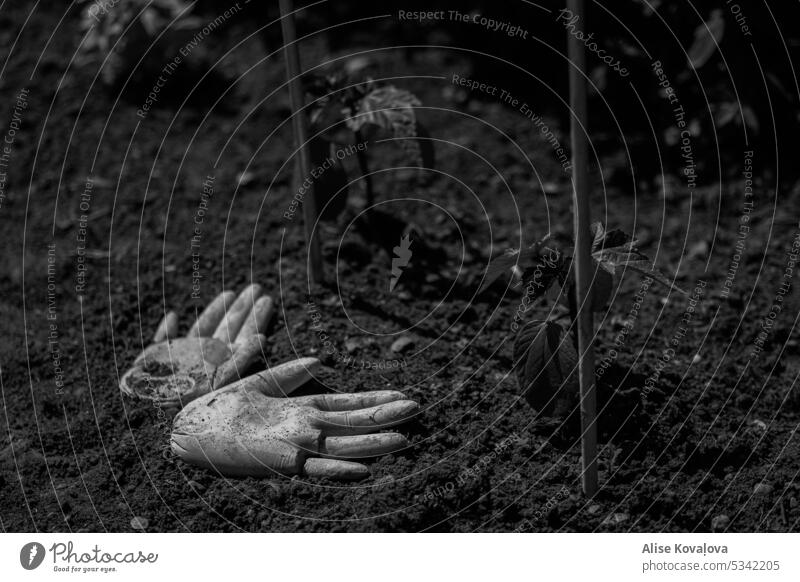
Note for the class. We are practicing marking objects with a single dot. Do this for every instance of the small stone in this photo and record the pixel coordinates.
(332, 301)
(696, 359)
(245, 178)
(616, 519)
(762, 489)
(594, 509)
(720, 523)
(352, 345)
(402, 344)
(552, 187)
(759, 425)
(699, 250)
(140, 523)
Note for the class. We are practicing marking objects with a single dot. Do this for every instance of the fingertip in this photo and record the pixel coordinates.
(167, 328)
(333, 469)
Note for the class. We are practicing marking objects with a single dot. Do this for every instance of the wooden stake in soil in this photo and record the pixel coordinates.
(583, 253)
(291, 55)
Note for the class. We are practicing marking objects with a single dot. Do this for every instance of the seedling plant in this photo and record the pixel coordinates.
(367, 109)
(545, 350)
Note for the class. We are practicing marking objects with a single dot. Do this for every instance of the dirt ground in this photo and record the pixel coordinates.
(699, 412)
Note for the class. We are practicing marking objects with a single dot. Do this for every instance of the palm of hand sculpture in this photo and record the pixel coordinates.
(226, 339)
(241, 430)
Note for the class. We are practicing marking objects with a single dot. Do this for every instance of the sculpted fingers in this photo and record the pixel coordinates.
(257, 320)
(246, 354)
(280, 380)
(236, 314)
(168, 328)
(353, 422)
(339, 402)
(211, 316)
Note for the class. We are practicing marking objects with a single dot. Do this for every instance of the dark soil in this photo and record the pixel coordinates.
(691, 445)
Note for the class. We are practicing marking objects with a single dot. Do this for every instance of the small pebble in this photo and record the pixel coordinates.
(594, 509)
(616, 519)
(332, 301)
(551, 187)
(352, 345)
(696, 359)
(245, 178)
(762, 489)
(720, 523)
(402, 344)
(759, 424)
(140, 523)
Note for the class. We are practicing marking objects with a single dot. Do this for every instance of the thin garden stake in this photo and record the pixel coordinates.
(583, 256)
(291, 55)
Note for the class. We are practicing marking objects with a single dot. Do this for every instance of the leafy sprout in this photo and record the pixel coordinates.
(120, 33)
(544, 350)
(367, 108)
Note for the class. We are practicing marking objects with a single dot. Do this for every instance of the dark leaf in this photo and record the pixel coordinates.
(499, 266)
(599, 234)
(617, 260)
(526, 260)
(387, 107)
(546, 365)
(608, 238)
(602, 284)
(391, 109)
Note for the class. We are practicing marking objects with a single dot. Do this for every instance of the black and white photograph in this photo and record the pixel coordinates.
(527, 268)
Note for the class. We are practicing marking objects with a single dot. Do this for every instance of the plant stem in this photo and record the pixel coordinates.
(291, 55)
(363, 167)
(583, 256)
